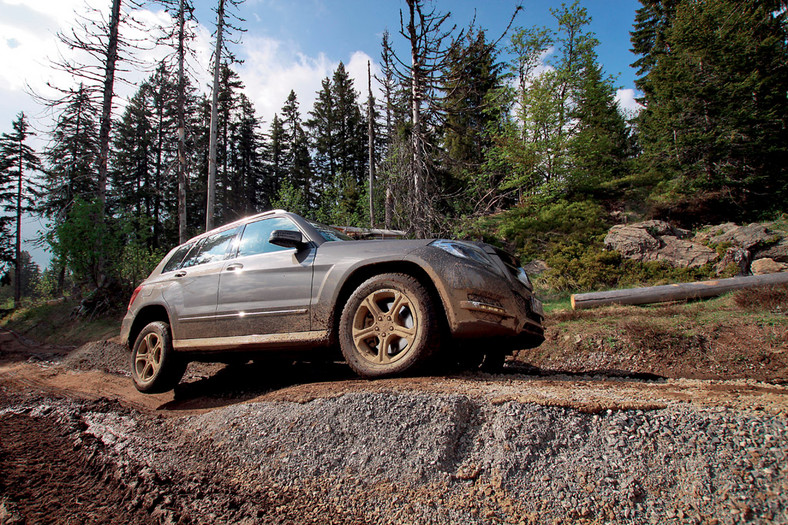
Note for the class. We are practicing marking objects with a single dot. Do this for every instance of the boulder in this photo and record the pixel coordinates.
(747, 237)
(631, 241)
(536, 267)
(764, 266)
(734, 257)
(778, 252)
(658, 241)
(681, 253)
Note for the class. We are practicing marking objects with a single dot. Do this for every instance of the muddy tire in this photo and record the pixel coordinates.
(155, 367)
(389, 325)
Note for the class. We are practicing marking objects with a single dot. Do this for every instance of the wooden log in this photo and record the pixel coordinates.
(675, 292)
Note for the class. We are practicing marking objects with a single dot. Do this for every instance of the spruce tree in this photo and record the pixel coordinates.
(471, 84)
(715, 128)
(602, 146)
(71, 156)
(20, 190)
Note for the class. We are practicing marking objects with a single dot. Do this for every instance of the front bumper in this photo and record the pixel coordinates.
(483, 304)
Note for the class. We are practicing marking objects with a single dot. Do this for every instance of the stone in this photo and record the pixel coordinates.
(734, 257)
(631, 241)
(536, 267)
(681, 253)
(751, 236)
(658, 241)
(778, 252)
(662, 228)
(766, 265)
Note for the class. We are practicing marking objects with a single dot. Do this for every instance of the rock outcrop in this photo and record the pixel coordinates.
(658, 241)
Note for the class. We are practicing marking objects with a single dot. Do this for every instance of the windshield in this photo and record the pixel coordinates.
(330, 234)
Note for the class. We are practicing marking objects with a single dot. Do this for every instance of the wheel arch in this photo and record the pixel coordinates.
(147, 315)
(361, 274)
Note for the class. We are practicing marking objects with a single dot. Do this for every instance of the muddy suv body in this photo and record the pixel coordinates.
(277, 282)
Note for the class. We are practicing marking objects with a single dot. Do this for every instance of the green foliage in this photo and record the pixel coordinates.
(716, 120)
(291, 199)
(536, 227)
(123, 243)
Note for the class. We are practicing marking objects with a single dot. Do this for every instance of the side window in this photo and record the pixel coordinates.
(176, 258)
(255, 237)
(213, 248)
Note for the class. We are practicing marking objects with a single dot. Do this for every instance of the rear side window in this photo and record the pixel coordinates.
(211, 249)
(256, 234)
(176, 258)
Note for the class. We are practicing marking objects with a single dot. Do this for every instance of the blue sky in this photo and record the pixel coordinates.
(288, 44)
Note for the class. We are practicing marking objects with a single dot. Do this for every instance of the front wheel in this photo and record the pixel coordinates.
(388, 326)
(155, 367)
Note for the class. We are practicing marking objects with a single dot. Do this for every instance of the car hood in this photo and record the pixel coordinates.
(371, 248)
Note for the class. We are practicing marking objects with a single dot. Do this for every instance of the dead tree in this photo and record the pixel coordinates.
(224, 27)
(99, 52)
(178, 38)
(371, 142)
(388, 84)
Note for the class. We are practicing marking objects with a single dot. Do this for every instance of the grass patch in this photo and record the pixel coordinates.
(52, 322)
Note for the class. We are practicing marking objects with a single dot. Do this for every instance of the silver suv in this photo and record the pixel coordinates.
(277, 282)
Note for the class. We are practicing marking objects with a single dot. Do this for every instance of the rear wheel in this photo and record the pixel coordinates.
(388, 326)
(155, 367)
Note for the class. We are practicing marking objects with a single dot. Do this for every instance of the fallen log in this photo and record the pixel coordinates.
(675, 292)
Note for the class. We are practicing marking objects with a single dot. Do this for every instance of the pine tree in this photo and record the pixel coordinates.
(472, 114)
(338, 132)
(715, 128)
(602, 146)
(246, 163)
(71, 156)
(20, 190)
(296, 162)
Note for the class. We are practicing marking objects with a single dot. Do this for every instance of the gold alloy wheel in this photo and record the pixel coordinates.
(147, 362)
(384, 326)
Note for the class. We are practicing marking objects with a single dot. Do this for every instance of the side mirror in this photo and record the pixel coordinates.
(286, 239)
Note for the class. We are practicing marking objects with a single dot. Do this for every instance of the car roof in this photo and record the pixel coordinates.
(302, 223)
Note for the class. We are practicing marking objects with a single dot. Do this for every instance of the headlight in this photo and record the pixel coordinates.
(523, 278)
(464, 251)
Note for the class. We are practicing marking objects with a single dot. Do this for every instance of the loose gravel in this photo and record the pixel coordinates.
(394, 457)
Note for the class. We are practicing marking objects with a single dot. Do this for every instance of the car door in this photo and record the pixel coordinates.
(266, 288)
(193, 286)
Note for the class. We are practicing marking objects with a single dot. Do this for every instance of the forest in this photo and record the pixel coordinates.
(515, 139)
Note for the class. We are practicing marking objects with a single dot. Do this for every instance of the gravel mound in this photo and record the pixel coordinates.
(105, 356)
(514, 460)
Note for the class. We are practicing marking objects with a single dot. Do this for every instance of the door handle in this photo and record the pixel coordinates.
(234, 266)
(180, 274)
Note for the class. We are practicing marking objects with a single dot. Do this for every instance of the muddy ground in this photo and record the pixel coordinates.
(614, 437)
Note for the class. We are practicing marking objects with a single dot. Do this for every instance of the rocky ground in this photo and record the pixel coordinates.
(309, 443)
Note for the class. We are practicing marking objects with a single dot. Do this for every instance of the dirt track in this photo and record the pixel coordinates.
(70, 421)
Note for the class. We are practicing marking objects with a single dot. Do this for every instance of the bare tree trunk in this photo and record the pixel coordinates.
(209, 212)
(371, 140)
(106, 108)
(181, 124)
(419, 208)
(18, 261)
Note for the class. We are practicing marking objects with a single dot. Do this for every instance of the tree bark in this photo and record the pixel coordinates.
(181, 174)
(675, 292)
(419, 207)
(18, 260)
(106, 108)
(371, 142)
(211, 198)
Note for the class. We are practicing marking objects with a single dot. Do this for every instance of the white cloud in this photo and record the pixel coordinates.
(60, 12)
(271, 70)
(357, 69)
(625, 98)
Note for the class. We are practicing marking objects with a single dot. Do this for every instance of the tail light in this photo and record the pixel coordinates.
(134, 296)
